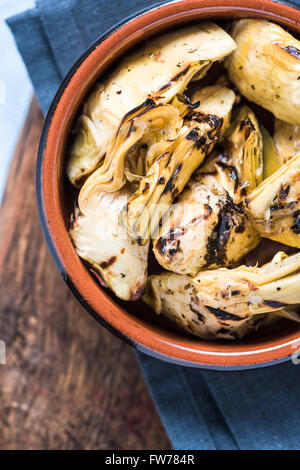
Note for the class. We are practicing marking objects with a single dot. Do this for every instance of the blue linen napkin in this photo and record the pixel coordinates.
(254, 409)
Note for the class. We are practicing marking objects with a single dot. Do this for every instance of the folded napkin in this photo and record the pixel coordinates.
(254, 409)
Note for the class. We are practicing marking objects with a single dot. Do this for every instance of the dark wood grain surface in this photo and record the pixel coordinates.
(68, 383)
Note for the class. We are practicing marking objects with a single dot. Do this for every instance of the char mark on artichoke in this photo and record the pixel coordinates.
(275, 204)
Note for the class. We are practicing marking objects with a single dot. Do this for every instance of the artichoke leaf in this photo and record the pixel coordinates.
(248, 290)
(286, 139)
(288, 313)
(167, 177)
(142, 127)
(272, 159)
(208, 226)
(175, 297)
(104, 244)
(265, 67)
(85, 150)
(274, 205)
(159, 70)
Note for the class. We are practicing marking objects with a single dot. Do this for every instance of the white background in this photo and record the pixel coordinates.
(15, 88)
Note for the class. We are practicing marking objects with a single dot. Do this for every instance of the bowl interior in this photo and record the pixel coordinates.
(136, 320)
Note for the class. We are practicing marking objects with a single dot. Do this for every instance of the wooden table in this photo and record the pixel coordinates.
(68, 383)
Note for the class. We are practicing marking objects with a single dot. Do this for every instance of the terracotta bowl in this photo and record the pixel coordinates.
(133, 321)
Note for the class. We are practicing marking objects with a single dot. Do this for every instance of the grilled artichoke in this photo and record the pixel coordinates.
(142, 128)
(251, 290)
(208, 226)
(244, 146)
(159, 70)
(85, 150)
(266, 66)
(103, 243)
(139, 140)
(174, 296)
(275, 204)
(168, 175)
(286, 139)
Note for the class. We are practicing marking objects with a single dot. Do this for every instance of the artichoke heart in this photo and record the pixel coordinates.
(168, 175)
(159, 70)
(175, 297)
(104, 244)
(143, 127)
(266, 66)
(252, 290)
(208, 226)
(275, 204)
(286, 139)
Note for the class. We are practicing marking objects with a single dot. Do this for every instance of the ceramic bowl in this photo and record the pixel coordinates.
(133, 321)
